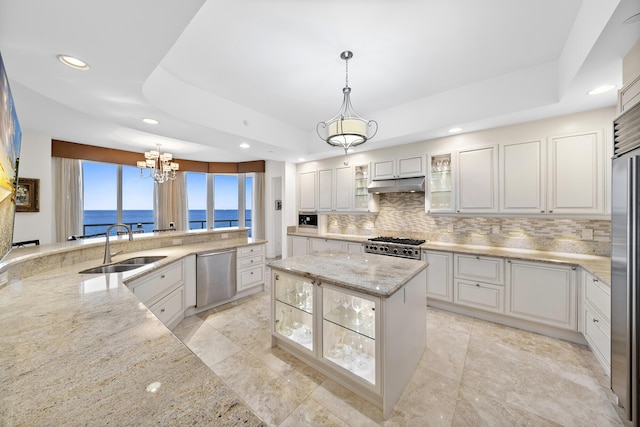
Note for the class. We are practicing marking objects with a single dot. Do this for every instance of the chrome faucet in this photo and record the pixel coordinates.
(107, 249)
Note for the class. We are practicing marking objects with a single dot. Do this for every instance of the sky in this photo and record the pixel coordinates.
(100, 189)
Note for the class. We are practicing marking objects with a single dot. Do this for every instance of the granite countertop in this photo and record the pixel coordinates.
(599, 266)
(82, 350)
(376, 275)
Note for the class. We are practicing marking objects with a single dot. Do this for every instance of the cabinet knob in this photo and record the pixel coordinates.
(162, 277)
(478, 284)
(458, 211)
(542, 211)
(595, 280)
(162, 310)
(595, 320)
(551, 211)
(252, 273)
(477, 257)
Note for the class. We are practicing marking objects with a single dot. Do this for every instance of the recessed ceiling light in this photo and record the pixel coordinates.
(301, 159)
(601, 89)
(150, 121)
(244, 145)
(73, 62)
(454, 130)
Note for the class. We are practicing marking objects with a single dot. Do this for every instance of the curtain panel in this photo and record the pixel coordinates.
(68, 200)
(170, 204)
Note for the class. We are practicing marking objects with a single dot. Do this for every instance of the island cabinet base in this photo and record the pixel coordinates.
(369, 344)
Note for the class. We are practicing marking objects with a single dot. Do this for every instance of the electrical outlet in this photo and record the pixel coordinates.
(450, 228)
(224, 236)
(177, 242)
(495, 229)
(587, 234)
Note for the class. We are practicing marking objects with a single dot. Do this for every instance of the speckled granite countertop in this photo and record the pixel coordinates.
(599, 266)
(82, 350)
(376, 275)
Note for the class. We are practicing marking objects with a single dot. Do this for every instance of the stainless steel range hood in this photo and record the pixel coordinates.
(401, 185)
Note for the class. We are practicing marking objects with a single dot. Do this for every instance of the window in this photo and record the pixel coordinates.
(197, 199)
(225, 200)
(100, 181)
(116, 193)
(137, 200)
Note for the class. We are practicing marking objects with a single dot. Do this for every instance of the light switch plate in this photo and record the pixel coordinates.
(587, 234)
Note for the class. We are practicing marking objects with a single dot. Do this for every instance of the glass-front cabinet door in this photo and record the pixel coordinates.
(440, 197)
(293, 309)
(361, 194)
(349, 331)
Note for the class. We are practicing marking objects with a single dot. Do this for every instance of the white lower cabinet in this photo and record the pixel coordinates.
(163, 292)
(480, 295)
(542, 292)
(320, 245)
(298, 245)
(479, 282)
(250, 264)
(597, 318)
(370, 345)
(439, 275)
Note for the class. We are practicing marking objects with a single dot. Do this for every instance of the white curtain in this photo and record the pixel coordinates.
(258, 215)
(68, 192)
(170, 204)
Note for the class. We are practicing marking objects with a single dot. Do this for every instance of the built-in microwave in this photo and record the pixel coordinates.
(307, 220)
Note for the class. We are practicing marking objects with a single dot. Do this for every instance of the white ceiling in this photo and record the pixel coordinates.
(217, 73)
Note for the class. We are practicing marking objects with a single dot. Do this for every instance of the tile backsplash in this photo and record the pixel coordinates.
(403, 214)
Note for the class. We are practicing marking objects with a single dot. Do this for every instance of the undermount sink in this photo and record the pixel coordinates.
(113, 268)
(141, 260)
(126, 265)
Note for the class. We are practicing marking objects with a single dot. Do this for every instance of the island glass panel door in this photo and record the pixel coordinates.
(349, 332)
(293, 310)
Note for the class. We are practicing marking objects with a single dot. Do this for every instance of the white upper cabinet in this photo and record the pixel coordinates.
(334, 189)
(307, 182)
(402, 167)
(522, 177)
(575, 174)
(477, 180)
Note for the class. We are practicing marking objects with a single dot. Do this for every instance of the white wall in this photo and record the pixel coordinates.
(35, 162)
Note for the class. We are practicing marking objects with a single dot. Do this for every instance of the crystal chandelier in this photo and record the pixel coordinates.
(346, 129)
(158, 165)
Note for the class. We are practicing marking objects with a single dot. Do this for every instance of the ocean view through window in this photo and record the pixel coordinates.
(106, 186)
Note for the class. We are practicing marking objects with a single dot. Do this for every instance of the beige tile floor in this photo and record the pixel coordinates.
(473, 373)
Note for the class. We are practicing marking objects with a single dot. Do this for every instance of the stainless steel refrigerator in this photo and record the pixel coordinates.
(625, 263)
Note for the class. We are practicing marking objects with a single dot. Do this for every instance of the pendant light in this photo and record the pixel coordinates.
(346, 129)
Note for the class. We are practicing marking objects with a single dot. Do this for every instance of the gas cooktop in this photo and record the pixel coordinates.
(394, 246)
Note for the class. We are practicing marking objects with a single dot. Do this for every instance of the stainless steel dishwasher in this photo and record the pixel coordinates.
(215, 276)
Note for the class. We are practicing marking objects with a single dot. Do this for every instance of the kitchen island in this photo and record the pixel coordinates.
(358, 318)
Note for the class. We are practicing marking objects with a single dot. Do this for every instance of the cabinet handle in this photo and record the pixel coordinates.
(162, 277)
(595, 320)
(573, 268)
(595, 280)
(277, 277)
(162, 310)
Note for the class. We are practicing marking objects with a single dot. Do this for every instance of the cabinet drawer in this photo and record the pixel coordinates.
(598, 294)
(170, 306)
(250, 261)
(249, 278)
(483, 269)
(480, 295)
(245, 251)
(157, 283)
(598, 333)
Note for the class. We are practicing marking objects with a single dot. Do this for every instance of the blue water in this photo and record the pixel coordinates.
(143, 219)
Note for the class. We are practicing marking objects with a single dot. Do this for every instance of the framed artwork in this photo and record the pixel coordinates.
(28, 195)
